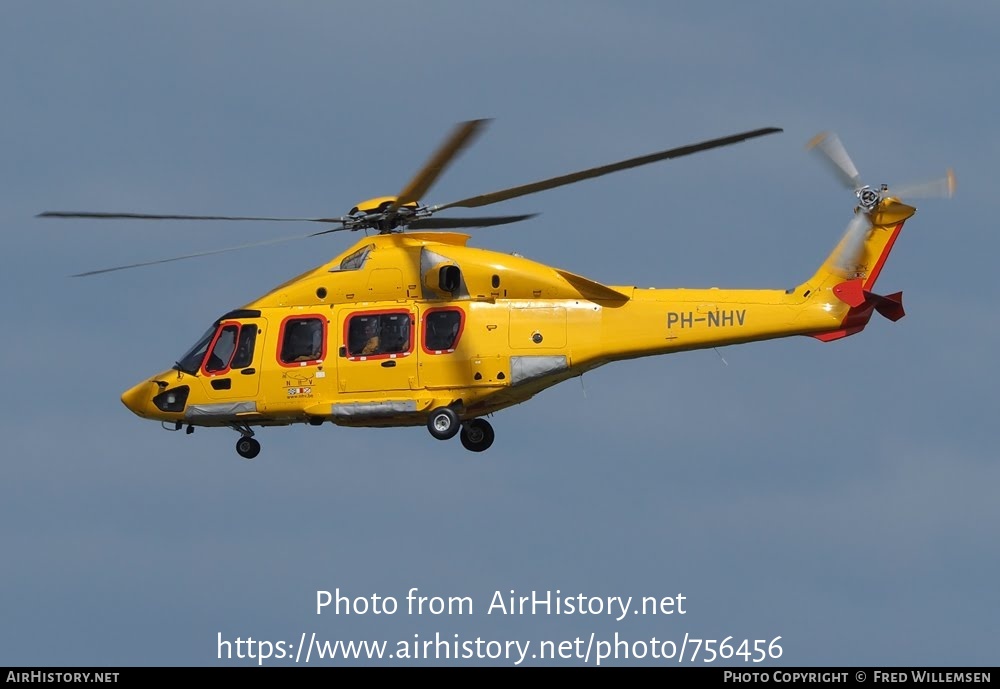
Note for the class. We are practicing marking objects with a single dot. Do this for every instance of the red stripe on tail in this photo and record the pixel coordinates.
(873, 276)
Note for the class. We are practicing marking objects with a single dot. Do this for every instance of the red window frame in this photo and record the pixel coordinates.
(324, 323)
(373, 357)
(211, 347)
(458, 335)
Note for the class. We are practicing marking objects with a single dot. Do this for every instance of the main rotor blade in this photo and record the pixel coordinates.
(450, 223)
(836, 155)
(205, 253)
(523, 190)
(936, 189)
(150, 216)
(461, 136)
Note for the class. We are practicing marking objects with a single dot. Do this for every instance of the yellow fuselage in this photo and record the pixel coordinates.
(518, 327)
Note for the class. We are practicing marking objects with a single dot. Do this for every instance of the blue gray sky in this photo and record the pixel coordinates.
(840, 496)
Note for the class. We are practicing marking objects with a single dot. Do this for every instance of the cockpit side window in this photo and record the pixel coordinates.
(302, 341)
(245, 346)
(381, 334)
(223, 347)
(226, 345)
(442, 330)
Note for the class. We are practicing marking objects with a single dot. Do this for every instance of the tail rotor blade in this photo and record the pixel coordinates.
(943, 188)
(835, 154)
(852, 243)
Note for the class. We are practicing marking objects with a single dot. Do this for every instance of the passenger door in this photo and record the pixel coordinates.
(377, 350)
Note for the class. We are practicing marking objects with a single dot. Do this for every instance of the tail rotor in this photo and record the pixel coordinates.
(836, 156)
(869, 199)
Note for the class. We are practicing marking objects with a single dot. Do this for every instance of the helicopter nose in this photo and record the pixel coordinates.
(137, 398)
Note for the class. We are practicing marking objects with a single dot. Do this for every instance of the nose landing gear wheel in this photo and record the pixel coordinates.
(443, 423)
(248, 448)
(477, 435)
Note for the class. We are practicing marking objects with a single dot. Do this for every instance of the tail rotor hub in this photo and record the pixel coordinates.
(868, 198)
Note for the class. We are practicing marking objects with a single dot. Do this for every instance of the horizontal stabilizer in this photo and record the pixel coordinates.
(862, 303)
(853, 293)
(890, 306)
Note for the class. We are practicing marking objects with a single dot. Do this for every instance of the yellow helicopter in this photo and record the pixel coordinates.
(410, 326)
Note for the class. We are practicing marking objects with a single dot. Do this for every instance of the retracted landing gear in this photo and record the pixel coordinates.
(477, 435)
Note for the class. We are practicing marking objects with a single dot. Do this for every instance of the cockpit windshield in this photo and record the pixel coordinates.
(191, 361)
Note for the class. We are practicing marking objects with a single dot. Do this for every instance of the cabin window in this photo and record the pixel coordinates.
(379, 334)
(302, 340)
(355, 260)
(442, 330)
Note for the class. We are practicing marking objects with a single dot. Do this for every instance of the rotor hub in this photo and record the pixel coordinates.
(379, 218)
(869, 198)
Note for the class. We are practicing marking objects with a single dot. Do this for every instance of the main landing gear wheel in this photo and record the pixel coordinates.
(443, 423)
(477, 435)
(247, 447)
